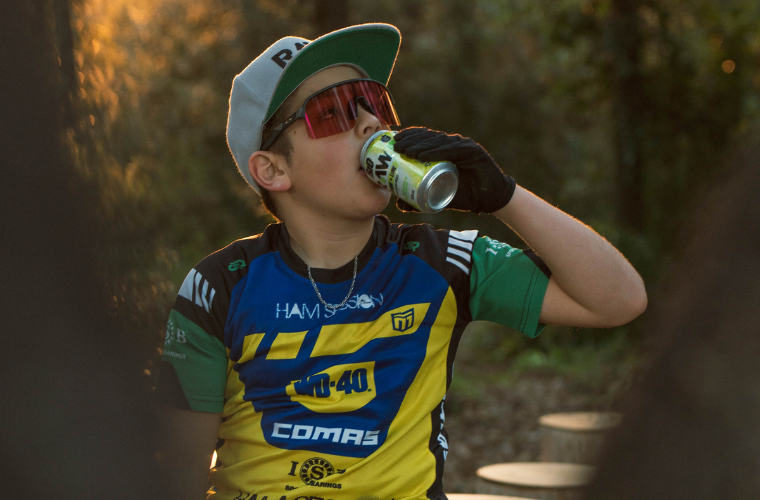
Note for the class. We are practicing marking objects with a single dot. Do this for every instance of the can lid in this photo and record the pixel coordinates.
(441, 188)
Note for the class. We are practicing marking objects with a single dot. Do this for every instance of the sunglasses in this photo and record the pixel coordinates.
(334, 109)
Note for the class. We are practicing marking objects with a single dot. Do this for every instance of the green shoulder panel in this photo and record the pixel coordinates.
(200, 361)
(507, 286)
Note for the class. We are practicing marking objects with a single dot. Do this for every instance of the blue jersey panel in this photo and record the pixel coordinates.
(332, 381)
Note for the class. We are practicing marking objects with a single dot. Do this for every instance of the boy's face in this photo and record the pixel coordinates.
(326, 174)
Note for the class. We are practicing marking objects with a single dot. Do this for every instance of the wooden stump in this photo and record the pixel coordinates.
(575, 437)
(540, 480)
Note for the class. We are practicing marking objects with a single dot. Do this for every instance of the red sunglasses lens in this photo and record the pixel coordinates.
(334, 110)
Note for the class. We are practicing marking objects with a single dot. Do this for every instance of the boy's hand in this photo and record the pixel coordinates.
(483, 187)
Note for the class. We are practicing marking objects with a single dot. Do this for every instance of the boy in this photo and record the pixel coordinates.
(317, 355)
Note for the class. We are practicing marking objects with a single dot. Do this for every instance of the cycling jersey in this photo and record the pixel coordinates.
(338, 404)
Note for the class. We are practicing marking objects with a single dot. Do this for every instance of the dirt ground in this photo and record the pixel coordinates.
(498, 422)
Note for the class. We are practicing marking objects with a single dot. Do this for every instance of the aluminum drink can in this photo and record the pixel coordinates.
(427, 186)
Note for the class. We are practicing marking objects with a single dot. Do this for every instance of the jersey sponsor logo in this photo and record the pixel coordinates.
(288, 310)
(338, 389)
(174, 334)
(314, 470)
(334, 340)
(236, 265)
(365, 301)
(255, 496)
(495, 246)
(441, 436)
(294, 310)
(334, 387)
(412, 245)
(403, 321)
(459, 249)
(357, 437)
(196, 289)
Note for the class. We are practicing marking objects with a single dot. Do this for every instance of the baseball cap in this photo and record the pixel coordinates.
(269, 79)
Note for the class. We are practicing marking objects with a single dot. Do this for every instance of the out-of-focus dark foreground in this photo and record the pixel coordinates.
(74, 407)
(692, 423)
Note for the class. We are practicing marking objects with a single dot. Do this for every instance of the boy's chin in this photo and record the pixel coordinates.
(374, 207)
(383, 200)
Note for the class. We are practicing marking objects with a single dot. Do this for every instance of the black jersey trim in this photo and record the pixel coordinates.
(438, 450)
(538, 262)
(329, 276)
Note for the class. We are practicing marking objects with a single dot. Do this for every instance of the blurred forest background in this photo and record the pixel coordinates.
(620, 112)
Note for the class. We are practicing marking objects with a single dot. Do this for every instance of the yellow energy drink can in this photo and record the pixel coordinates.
(427, 186)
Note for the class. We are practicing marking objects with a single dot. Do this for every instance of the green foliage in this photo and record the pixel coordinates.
(537, 83)
(492, 354)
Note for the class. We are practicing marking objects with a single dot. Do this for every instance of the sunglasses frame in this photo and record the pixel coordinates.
(301, 113)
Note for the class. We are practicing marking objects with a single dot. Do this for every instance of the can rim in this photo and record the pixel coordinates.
(444, 167)
(374, 136)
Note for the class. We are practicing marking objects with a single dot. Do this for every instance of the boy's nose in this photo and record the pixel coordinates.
(366, 122)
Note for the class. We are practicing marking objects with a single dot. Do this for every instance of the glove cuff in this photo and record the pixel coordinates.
(496, 199)
(511, 186)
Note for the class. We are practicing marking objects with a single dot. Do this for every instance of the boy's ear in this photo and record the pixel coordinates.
(267, 170)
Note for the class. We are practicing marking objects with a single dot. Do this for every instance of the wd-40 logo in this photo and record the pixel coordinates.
(403, 321)
(197, 289)
(338, 389)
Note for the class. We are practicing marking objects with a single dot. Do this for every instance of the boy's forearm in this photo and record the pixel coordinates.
(185, 448)
(585, 265)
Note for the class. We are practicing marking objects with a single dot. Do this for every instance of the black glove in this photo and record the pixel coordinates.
(483, 187)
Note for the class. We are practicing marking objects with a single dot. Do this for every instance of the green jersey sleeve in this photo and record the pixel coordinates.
(507, 286)
(199, 361)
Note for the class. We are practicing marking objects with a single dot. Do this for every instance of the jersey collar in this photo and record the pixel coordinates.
(331, 276)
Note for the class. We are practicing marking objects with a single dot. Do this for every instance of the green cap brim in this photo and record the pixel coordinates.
(371, 47)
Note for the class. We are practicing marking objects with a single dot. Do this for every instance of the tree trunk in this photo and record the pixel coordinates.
(65, 47)
(576, 437)
(330, 15)
(76, 409)
(463, 66)
(626, 40)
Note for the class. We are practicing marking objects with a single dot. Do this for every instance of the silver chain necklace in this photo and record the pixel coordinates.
(333, 306)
